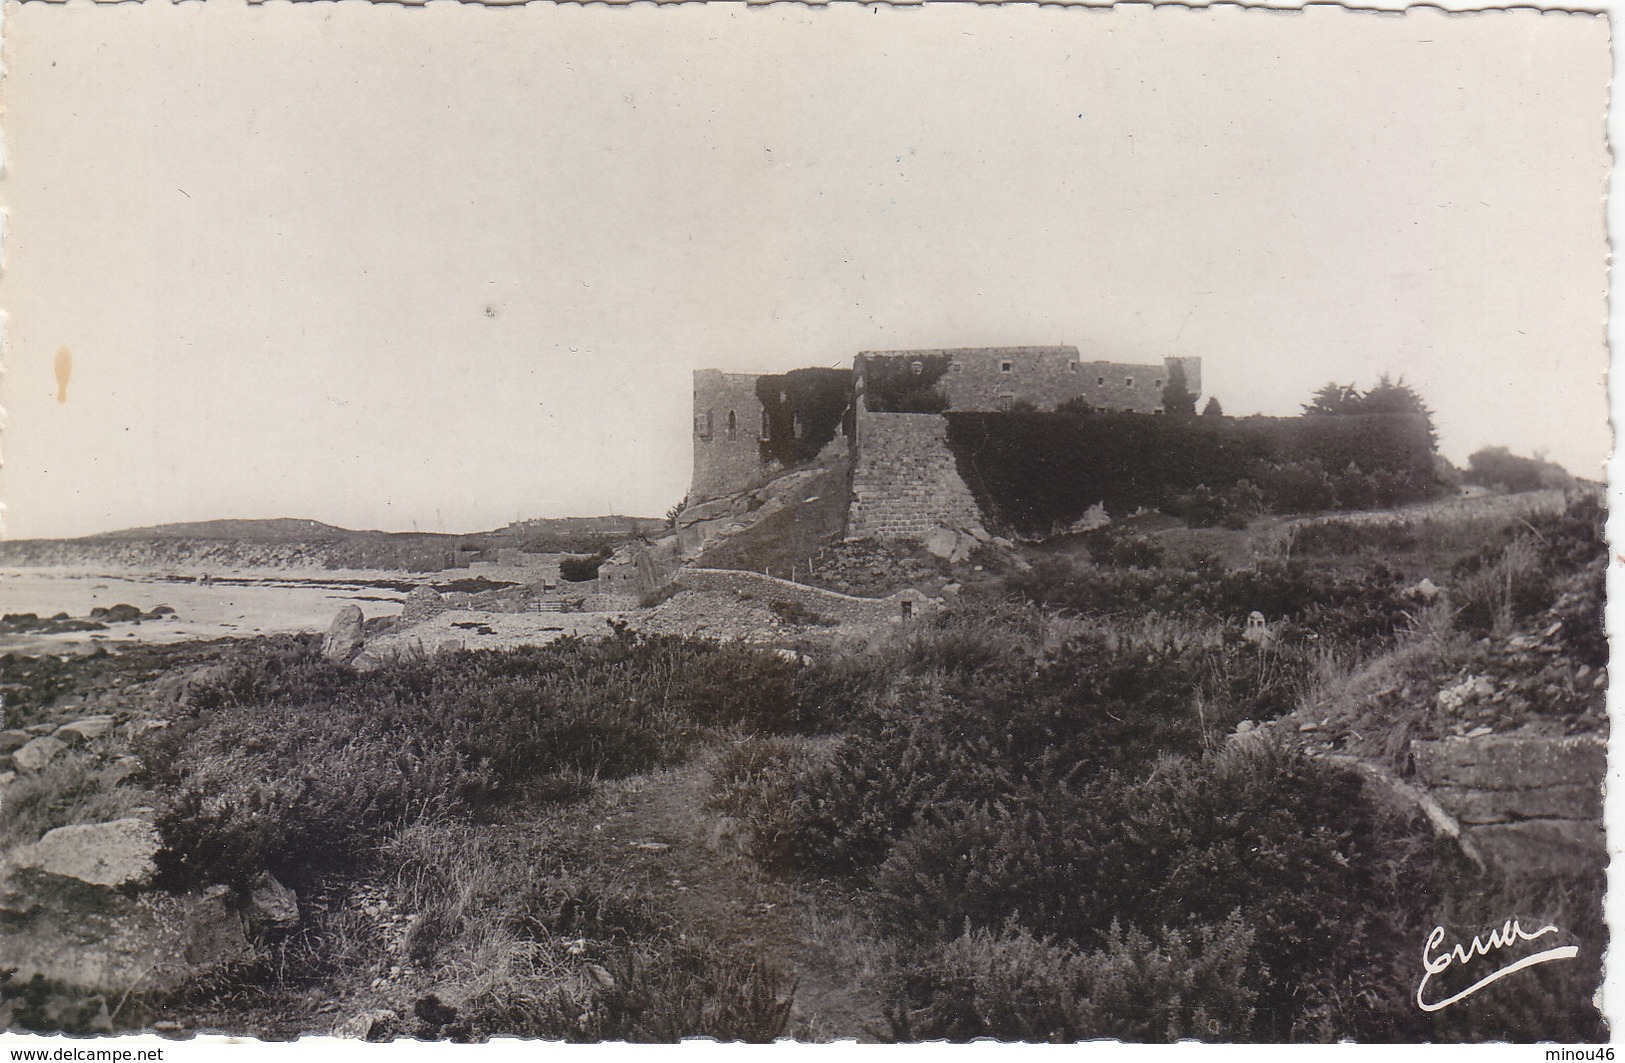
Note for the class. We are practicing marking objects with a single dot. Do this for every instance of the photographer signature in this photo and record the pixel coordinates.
(1508, 933)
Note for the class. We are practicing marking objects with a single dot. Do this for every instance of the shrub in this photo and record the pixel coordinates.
(1499, 467)
(754, 783)
(289, 763)
(580, 568)
(1140, 988)
(1494, 597)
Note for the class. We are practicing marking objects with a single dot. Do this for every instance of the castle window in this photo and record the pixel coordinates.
(1100, 381)
(702, 425)
(1103, 409)
(1004, 402)
(766, 435)
(1128, 382)
(1005, 367)
(916, 368)
(954, 368)
(908, 608)
(1156, 383)
(733, 425)
(1157, 410)
(1072, 367)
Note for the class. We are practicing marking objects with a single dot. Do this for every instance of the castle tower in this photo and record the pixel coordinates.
(728, 430)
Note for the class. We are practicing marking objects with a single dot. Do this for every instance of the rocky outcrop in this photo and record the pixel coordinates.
(346, 635)
(38, 753)
(272, 907)
(1529, 804)
(116, 854)
(83, 730)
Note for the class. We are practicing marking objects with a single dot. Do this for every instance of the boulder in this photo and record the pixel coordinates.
(345, 635)
(113, 854)
(979, 533)
(13, 740)
(423, 603)
(271, 905)
(941, 542)
(38, 753)
(83, 730)
(214, 929)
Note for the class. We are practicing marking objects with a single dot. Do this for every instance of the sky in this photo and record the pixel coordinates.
(448, 267)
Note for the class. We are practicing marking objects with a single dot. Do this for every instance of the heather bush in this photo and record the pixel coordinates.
(1156, 988)
(1258, 835)
(754, 784)
(288, 762)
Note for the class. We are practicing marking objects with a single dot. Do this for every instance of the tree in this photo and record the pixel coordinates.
(1213, 409)
(1334, 399)
(1395, 396)
(1177, 398)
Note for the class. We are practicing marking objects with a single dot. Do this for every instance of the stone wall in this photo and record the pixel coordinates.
(727, 433)
(837, 608)
(1529, 805)
(905, 482)
(995, 378)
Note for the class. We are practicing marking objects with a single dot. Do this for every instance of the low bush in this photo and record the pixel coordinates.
(1282, 850)
(754, 784)
(1140, 988)
(290, 763)
(581, 568)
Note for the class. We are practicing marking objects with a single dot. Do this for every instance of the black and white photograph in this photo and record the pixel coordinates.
(894, 524)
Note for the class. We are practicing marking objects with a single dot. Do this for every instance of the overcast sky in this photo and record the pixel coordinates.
(448, 267)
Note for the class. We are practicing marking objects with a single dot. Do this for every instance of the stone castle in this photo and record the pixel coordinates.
(887, 409)
(876, 434)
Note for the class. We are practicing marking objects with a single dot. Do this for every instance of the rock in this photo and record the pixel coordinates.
(38, 753)
(1507, 762)
(601, 976)
(6, 778)
(345, 635)
(13, 740)
(434, 1011)
(1577, 801)
(214, 929)
(999, 540)
(1541, 848)
(375, 1025)
(113, 854)
(158, 612)
(941, 542)
(271, 905)
(1244, 726)
(38, 729)
(83, 730)
(421, 604)
(1426, 590)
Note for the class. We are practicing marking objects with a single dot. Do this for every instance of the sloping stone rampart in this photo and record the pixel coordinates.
(905, 482)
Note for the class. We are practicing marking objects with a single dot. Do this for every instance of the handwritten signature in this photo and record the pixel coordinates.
(1509, 933)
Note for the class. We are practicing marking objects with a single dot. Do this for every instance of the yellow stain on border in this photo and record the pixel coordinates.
(64, 369)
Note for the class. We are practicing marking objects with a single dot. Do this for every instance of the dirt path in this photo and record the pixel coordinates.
(683, 857)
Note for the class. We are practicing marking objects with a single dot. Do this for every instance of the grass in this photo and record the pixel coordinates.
(79, 786)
